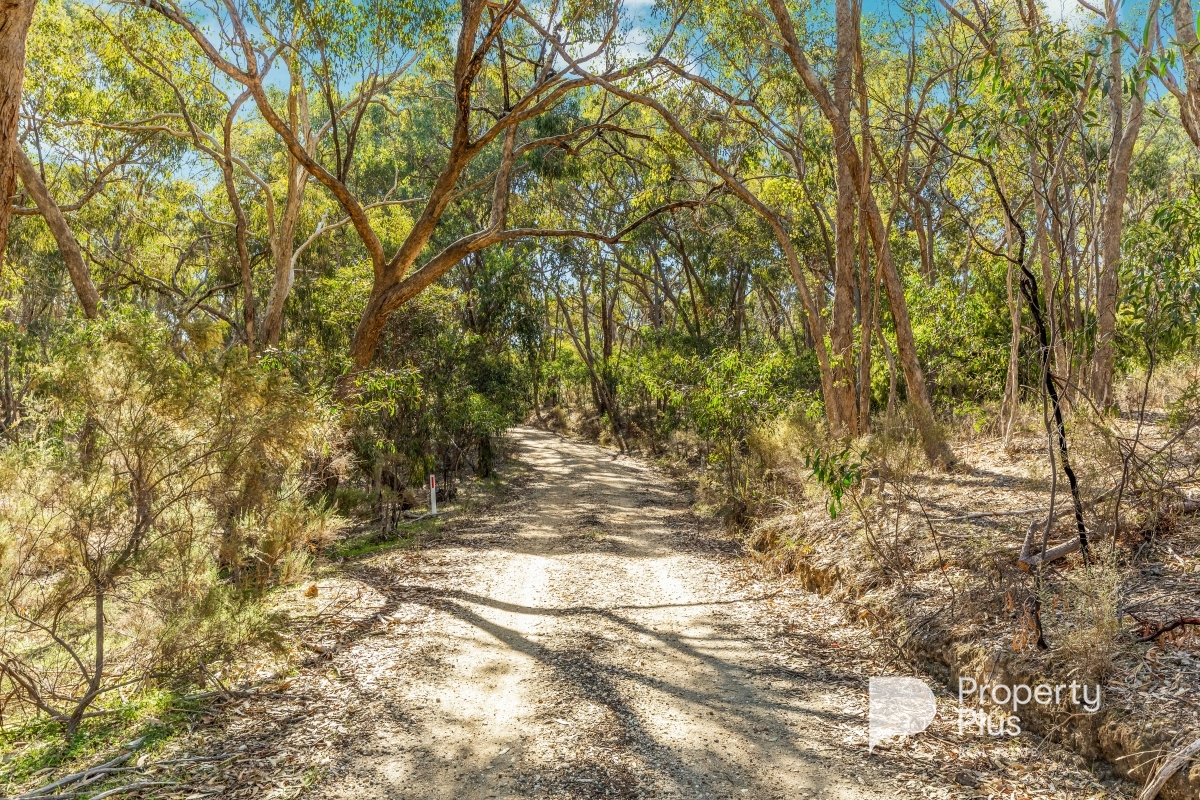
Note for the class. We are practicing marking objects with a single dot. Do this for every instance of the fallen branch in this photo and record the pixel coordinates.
(107, 769)
(1188, 506)
(1028, 560)
(174, 762)
(100, 769)
(133, 787)
(1159, 628)
(983, 514)
(1169, 768)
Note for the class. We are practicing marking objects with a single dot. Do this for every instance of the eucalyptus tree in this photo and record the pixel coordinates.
(757, 37)
(504, 70)
(1126, 126)
(68, 246)
(834, 107)
(1185, 86)
(272, 183)
(15, 18)
(76, 87)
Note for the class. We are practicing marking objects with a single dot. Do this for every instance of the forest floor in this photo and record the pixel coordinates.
(587, 636)
(582, 635)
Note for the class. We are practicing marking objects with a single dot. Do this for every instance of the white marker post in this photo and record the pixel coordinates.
(433, 494)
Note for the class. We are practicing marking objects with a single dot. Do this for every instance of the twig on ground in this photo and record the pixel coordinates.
(984, 514)
(1160, 628)
(75, 777)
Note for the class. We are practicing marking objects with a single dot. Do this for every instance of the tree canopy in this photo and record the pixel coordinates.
(363, 238)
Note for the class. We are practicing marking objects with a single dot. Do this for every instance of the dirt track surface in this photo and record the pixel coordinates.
(586, 639)
(583, 636)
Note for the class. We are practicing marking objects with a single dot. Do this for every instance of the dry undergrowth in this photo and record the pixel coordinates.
(930, 560)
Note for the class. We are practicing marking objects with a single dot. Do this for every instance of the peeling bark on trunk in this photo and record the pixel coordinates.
(15, 17)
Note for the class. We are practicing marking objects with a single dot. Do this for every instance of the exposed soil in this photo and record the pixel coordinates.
(939, 576)
(590, 644)
(587, 637)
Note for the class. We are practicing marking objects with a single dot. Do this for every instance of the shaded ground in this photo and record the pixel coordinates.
(589, 645)
(586, 638)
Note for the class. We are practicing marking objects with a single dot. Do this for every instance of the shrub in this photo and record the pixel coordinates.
(158, 485)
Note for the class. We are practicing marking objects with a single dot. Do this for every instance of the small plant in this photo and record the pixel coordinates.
(1092, 601)
(837, 472)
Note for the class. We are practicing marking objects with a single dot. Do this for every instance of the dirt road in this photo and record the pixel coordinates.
(585, 639)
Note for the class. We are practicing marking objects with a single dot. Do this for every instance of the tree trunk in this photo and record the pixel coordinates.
(844, 420)
(936, 449)
(1124, 138)
(1189, 51)
(283, 241)
(283, 250)
(1042, 197)
(81, 278)
(241, 226)
(845, 245)
(1012, 383)
(15, 17)
(867, 281)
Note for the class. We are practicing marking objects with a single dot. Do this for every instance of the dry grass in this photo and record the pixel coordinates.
(1092, 599)
(917, 552)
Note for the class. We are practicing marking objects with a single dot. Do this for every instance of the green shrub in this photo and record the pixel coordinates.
(158, 485)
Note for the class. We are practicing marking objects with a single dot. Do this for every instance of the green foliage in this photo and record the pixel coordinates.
(171, 467)
(449, 389)
(1159, 312)
(962, 336)
(159, 483)
(837, 472)
(732, 392)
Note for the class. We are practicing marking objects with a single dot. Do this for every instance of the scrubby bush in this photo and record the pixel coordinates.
(157, 484)
(444, 395)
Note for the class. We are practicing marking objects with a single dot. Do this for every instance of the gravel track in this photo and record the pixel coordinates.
(587, 639)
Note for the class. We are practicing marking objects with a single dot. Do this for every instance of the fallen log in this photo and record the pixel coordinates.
(1028, 560)
(1169, 768)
